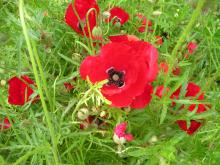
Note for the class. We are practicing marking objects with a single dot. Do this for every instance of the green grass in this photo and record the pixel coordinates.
(50, 52)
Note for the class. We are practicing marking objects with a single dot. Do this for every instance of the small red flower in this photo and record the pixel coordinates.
(118, 15)
(144, 22)
(82, 7)
(120, 136)
(68, 86)
(159, 40)
(160, 91)
(20, 90)
(164, 67)
(192, 46)
(5, 125)
(176, 71)
(192, 91)
(129, 66)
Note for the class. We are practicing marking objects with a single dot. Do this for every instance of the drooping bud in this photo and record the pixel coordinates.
(156, 13)
(83, 113)
(97, 32)
(106, 14)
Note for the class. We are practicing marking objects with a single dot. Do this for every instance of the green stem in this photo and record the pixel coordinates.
(89, 29)
(38, 82)
(184, 34)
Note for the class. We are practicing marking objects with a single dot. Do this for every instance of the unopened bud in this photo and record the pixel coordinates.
(102, 114)
(83, 113)
(118, 140)
(106, 14)
(3, 82)
(117, 24)
(97, 32)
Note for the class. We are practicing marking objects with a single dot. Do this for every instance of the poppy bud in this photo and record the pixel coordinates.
(3, 82)
(106, 14)
(102, 114)
(83, 113)
(118, 140)
(117, 24)
(97, 32)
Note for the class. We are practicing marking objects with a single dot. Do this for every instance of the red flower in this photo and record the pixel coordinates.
(5, 125)
(164, 67)
(176, 71)
(159, 40)
(20, 90)
(118, 15)
(144, 22)
(160, 91)
(129, 66)
(121, 38)
(192, 90)
(82, 7)
(68, 86)
(191, 47)
(120, 136)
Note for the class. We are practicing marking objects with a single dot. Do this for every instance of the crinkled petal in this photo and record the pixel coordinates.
(142, 100)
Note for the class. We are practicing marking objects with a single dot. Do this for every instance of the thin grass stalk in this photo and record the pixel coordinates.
(38, 82)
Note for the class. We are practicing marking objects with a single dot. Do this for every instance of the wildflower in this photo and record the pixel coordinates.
(191, 47)
(120, 137)
(144, 22)
(129, 66)
(68, 86)
(121, 38)
(20, 90)
(118, 15)
(82, 7)
(5, 125)
(192, 91)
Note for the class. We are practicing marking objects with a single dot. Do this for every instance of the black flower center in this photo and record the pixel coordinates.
(115, 77)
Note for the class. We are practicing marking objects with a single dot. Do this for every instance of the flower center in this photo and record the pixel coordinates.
(115, 77)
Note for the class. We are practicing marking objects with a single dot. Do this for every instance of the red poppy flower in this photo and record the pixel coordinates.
(121, 38)
(191, 47)
(159, 40)
(120, 136)
(5, 125)
(164, 67)
(144, 22)
(129, 66)
(82, 7)
(20, 90)
(192, 90)
(118, 15)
